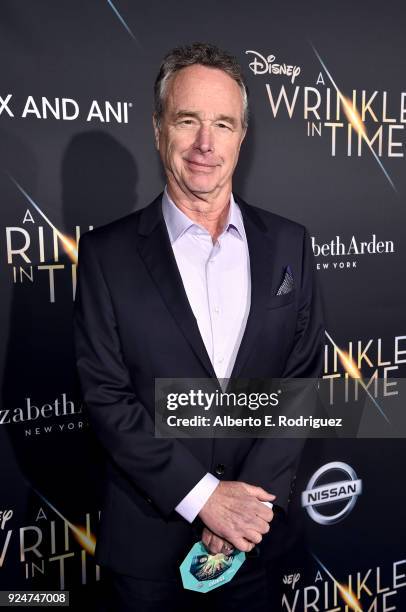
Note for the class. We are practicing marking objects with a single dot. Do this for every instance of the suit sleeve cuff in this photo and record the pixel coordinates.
(190, 506)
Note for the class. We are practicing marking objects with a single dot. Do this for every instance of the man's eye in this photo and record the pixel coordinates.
(186, 121)
(224, 126)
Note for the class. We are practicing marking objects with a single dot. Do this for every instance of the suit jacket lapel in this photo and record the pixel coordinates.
(156, 250)
(261, 265)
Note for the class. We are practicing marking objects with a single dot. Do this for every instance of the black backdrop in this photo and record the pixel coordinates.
(61, 173)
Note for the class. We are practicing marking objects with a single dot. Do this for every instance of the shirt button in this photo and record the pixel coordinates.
(219, 469)
(220, 359)
(216, 309)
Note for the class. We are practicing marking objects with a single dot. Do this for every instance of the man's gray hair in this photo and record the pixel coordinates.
(204, 54)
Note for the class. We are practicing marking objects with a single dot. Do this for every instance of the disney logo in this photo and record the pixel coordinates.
(291, 579)
(266, 65)
(5, 515)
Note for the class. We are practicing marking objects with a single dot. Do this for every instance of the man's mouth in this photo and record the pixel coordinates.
(200, 165)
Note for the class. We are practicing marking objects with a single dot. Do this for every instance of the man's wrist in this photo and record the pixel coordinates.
(190, 506)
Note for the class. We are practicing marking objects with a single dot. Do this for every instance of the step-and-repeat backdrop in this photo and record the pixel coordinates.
(325, 148)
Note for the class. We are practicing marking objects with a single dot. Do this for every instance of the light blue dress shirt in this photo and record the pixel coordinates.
(216, 278)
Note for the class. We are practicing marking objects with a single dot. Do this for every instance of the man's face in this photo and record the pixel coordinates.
(201, 131)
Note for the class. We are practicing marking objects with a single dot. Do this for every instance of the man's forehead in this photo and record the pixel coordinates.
(190, 79)
(203, 91)
(203, 72)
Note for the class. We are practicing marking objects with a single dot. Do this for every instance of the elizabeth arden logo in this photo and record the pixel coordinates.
(353, 247)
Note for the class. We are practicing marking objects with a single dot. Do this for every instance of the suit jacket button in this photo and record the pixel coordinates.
(220, 469)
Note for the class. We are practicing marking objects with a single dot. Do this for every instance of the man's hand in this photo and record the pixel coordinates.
(214, 543)
(234, 512)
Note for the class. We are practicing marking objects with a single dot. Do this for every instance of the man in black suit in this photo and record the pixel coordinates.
(147, 306)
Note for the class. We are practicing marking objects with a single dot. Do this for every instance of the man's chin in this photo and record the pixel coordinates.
(201, 187)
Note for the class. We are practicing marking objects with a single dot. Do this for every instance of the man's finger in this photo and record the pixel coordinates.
(260, 493)
(215, 544)
(206, 538)
(243, 544)
(253, 536)
(264, 512)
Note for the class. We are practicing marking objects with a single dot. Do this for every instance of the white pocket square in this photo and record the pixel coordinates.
(287, 283)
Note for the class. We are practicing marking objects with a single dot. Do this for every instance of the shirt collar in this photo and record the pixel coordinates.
(178, 222)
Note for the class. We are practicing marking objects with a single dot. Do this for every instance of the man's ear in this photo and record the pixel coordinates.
(156, 130)
(244, 132)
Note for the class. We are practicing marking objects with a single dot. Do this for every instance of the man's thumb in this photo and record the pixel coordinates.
(261, 494)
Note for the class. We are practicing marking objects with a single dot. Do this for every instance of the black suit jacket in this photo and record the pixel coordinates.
(132, 323)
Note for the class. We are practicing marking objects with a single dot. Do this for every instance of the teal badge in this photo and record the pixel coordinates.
(204, 572)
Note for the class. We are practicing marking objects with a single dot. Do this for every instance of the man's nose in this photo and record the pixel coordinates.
(204, 139)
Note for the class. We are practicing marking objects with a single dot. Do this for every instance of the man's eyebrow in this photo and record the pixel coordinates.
(194, 114)
(228, 119)
(186, 113)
